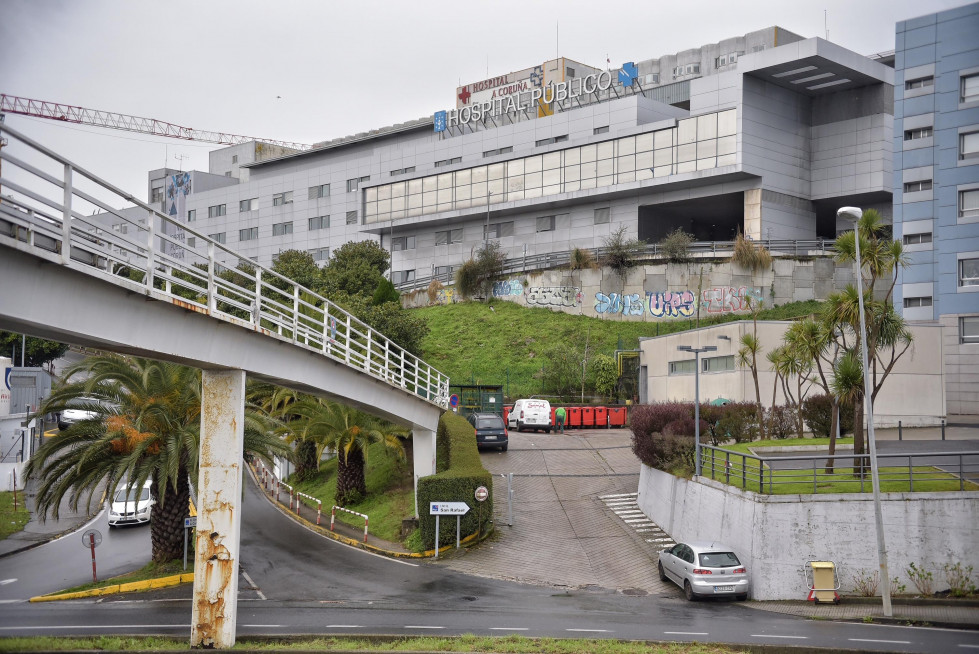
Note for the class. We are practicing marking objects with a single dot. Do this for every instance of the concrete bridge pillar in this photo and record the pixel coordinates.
(219, 510)
(423, 445)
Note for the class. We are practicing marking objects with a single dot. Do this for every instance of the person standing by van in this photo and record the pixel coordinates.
(559, 415)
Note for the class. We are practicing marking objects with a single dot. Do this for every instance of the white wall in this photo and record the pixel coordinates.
(775, 535)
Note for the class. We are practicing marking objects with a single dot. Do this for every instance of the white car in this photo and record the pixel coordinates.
(704, 570)
(75, 412)
(530, 414)
(131, 506)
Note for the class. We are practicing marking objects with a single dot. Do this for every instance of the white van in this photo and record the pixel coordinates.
(131, 506)
(532, 414)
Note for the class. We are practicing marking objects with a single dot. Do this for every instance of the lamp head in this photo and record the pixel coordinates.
(854, 213)
(684, 348)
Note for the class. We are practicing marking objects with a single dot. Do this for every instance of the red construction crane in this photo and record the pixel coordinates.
(71, 114)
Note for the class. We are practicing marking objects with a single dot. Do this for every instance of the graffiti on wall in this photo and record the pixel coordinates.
(727, 299)
(672, 304)
(507, 287)
(443, 296)
(553, 296)
(628, 304)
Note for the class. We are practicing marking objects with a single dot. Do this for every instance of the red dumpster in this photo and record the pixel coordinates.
(601, 417)
(617, 416)
(506, 414)
(553, 416)
(574, 416)
(587, 416)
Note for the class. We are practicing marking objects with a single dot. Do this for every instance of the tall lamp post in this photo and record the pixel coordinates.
(855, 214)
(696, 400)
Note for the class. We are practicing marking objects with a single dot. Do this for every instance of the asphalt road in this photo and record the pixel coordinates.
(296, 582)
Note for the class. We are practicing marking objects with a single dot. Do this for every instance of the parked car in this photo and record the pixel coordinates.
(76, 411)
(131, 506)
(704, 569)
(530, 414)
(490, 430)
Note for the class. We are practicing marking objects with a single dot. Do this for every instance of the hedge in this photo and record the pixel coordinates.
(460, 473)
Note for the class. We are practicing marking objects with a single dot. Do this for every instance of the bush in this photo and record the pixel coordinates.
(581, 260)
(817, 413)
(653, 418)
(676, 245)
(456, 482)
(662, 436)
(476, 276)
(748, 255)
(620, 253)
(782, 421)
(739, 422)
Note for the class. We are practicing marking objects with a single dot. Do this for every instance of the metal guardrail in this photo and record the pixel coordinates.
(756, 473)
(47, 215)
(697, 250)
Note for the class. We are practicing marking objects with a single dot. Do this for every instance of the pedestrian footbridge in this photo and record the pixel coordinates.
(76, 268)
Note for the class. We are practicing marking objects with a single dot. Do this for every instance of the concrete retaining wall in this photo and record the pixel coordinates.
(776, 535)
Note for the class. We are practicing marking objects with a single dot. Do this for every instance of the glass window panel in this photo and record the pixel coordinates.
(444, 196)
(627, 163)
(415, 212)
(644, 173)
(552, 177)
(663, 171)
(686, 152)
(663, 157)
(414, 186)
(588, 183)
(706, 127)
(686, 131)
(496, 171)
(397, 203)
(496, 188)
(727, 145)
(605, 181)
(371, 209)
(552, 160)
(445, 180)
(534, 180)
(571, 185)
(644, 142)
(686, 167)
(704, 164)
(515, 195)
(372, 194)
(447, 206)
(552, 190)
(588, 153)
(479, 174)
(572, 173)
(629, 176)
(383, 206)
(462, 204)
(532, 192)
(479, 190)
(627, 145)
(397, 189)
(515, 168)
(533, 164)
(605, 150)
(383, 192)
(463, 177)
(397, 213)
(431, 183)
(429, 199)
(604, 167)
(588, 170)
(478, 200)
(572, 156)
(664, 138)
(727, 123)
(415, 201)
(727, 160)
(514, 183)
(706, 148)
(645, 160)
(463, 192)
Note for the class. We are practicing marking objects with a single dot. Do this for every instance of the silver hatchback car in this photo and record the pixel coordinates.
(704, 569)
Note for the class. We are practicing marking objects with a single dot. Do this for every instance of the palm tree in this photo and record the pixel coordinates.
(748, 358)
(146, 426)
(349, 433)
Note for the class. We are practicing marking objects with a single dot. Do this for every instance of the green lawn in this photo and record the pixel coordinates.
(12, 521)
(390, 494)
(742, 472)
(149, 571)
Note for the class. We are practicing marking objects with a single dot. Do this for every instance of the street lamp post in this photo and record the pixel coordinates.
(696, 398)
(885, 581)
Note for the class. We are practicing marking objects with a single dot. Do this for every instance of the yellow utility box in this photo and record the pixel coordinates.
(823, 582)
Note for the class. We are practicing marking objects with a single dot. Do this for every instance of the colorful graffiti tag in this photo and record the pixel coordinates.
(727, 299)
(444, 296)
(672, 304)
(507, 288)
(553, 296)
(628, 304)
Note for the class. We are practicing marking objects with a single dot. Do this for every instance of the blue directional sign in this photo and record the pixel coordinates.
(440, 121)
(628, 74)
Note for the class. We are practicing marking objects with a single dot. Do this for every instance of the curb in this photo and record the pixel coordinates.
(146, 584)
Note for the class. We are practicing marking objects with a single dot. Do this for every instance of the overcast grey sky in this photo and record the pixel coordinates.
(343, 67)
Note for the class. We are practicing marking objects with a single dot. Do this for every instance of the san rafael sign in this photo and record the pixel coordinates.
(439, 509)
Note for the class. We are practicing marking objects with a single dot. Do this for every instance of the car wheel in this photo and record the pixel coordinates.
(743, 597)
(688, 592)
(520, 426)
(662, 573)
(548, 430)
(503, 448)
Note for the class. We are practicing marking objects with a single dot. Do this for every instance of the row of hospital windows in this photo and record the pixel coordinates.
(709, 364)
(968, 199)
(698, 143)
(968, 86)
(968, 142)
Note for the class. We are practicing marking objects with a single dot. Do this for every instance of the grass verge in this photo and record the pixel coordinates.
(12, 521)
(501, 645)
(149, 571)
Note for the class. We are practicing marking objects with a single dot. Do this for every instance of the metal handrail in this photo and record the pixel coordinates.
(754, 472)
(47, 215)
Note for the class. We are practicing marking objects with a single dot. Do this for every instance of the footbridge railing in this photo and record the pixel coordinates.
(60, 212)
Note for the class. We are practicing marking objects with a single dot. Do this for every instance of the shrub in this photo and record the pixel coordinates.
(739, 422)
(817, 413)
(652, 418)
(432, 291)
(476, 276)
(748, 255)
(457, 481)
(676, 245)
(581, 260)
(921, 578)
(620, 253)
(865, 583)
(959, 579)
(781, 420)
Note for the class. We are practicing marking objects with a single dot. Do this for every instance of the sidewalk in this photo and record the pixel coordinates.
(37, 532)
(956, 614)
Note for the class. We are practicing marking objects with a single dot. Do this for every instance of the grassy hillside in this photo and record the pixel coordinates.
(503, 342)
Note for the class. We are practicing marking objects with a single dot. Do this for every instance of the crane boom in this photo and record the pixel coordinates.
(83, 116)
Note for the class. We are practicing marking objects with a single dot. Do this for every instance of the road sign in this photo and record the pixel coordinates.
(87, 541)
(481, 494)
(190, 522)
(454, 400)
(448, 508)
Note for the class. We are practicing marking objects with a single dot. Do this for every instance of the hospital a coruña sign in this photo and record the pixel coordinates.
(575, 88)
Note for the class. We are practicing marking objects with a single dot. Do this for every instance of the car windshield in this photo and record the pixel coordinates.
(134, 494)
(489, 422)
(719, 560)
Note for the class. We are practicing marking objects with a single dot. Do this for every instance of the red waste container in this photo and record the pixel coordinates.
(587, 416)
(601, 417)
(553, 417)
(506, 415)
(617, 416)
(574, 416)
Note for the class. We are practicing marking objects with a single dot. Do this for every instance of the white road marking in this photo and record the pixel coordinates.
(253, 585)
(421, 626)
(970, 646)
(101, 626)
(509, 629)
(686, 633)
(597, 631)
(774, 636)
(4, 582)
(344, 626)
(263, 626)
(12, 601)
(872, 640)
